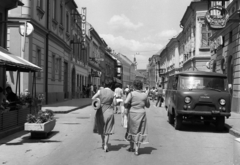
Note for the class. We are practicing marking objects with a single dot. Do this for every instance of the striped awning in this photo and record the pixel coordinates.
(13, 62)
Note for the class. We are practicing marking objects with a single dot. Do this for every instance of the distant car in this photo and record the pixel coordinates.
(198, 96)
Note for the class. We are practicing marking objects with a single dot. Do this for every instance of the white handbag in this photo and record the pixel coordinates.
(125, 121)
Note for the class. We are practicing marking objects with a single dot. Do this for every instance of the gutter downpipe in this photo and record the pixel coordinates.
(46, 58)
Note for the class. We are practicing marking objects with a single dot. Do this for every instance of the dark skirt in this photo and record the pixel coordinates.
(104, 122)
(137, 128)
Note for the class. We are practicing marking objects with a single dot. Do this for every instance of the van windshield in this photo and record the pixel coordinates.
(201, 82)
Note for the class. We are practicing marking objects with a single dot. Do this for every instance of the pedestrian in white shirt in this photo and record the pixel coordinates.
(118, 93)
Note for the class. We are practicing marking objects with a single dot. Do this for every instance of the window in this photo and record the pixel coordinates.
(59, 68)
(206, 33)
(53, 67)
(61, 14)
(203, 83)
(223, 65)
(54, 10)
(38, 61)
(230, 36)
(67, 22)
(40, 3)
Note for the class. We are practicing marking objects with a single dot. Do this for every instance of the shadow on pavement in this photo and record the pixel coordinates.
(83, 117)
(71, 123)
(200, 127)
(146, 150)
(28, 139)
(117, 147)
(12, 137)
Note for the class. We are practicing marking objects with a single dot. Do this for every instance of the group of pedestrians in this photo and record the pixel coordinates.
(134, 107)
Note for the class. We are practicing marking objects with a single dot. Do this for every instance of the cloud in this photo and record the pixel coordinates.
(129, 44)
(162, 36)
(129, 47)
(167, 33)
(123, 23)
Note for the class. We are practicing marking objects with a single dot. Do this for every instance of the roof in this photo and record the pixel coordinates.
(13, 62)
(201, 73)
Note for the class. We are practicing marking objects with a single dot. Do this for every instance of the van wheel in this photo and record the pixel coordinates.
(170, 118)
(220, 123)
(178, 122)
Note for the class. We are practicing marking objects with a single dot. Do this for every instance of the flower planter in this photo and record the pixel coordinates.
(39, 130)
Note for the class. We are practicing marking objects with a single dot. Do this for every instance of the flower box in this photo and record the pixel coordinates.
(40, 129)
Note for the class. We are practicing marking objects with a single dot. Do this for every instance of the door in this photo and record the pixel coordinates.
(65, 83)
(73, 83)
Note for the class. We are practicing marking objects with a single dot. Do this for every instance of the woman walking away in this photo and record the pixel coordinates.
(137, 100)
(104, 119)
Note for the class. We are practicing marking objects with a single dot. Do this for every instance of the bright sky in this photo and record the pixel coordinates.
(135, 27)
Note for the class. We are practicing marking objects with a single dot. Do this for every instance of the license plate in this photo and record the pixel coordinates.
(215, 112)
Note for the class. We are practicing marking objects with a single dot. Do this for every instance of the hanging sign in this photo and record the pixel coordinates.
(26, 29)
(217, 17)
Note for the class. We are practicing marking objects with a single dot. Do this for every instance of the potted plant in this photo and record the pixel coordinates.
(40, 124)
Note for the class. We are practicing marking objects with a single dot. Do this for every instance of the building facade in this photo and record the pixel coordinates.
(195, 37)
(225, 56)
(128, 69)
(55, 45)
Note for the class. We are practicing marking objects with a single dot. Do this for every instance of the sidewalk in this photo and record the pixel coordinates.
(68, 105)
(233, 124)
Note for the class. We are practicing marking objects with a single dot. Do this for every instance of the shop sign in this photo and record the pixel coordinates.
(162, 71)
(217, 17)
(216, 43)
(94, 73)
(84, 15)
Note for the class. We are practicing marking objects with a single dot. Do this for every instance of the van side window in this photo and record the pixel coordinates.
(170, 83)
(175, 83)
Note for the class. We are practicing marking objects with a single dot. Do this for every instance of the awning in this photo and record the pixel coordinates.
(117, 80)
(12, 62)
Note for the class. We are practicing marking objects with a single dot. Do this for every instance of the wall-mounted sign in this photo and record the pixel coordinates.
(217, 17)
(84, 21)
(26, 29)
(162, 71)
(219, 41)
(94, 73)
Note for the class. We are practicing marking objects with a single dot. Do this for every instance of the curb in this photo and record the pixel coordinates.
(232, 131)
(74, 109)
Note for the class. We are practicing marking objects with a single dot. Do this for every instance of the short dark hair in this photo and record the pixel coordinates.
(9, 88)
(137, 84)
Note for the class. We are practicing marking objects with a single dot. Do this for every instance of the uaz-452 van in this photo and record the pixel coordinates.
(198, 96)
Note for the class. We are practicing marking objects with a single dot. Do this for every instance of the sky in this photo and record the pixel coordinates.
(137, 28)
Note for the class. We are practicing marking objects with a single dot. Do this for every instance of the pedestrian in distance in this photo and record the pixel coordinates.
(118, 93)
(104, 118)
(136, 102)
(159, 95)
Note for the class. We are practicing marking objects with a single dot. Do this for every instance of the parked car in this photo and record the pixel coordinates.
(198, 96)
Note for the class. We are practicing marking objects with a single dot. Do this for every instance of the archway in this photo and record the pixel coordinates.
(73, 82)
(230, 73)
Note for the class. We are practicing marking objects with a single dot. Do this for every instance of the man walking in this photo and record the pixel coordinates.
(159, 95)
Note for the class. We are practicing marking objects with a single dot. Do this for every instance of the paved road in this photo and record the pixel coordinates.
(73, 143)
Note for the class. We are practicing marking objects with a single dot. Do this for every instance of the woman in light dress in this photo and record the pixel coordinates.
(137, 100)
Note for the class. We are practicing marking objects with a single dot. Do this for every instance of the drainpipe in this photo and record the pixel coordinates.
(46, 58)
